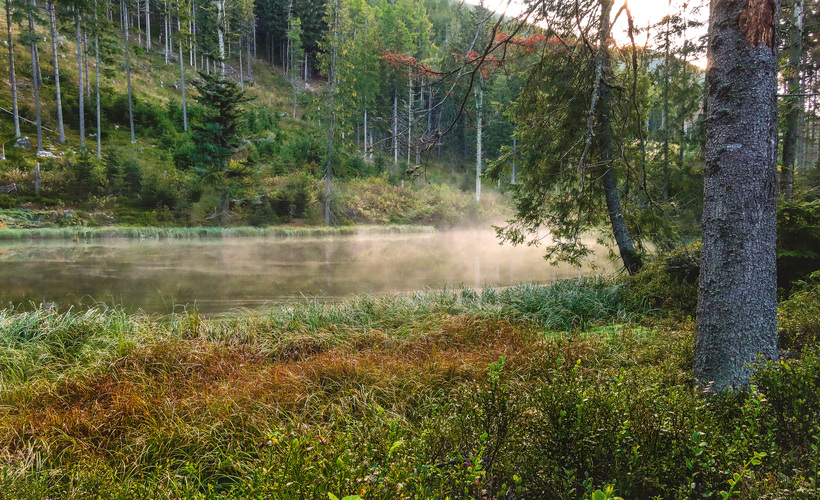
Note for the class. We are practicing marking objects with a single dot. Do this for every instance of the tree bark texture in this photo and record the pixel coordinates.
(737, 309)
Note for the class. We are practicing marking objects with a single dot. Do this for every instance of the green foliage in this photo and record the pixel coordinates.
(453, 393)
(792, 392)
(799, 316)
(798, 240)
(669, 284)
(567, 304)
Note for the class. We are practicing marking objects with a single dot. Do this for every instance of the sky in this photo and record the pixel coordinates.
(644, 13)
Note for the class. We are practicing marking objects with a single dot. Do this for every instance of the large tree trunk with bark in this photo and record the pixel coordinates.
(737, 307)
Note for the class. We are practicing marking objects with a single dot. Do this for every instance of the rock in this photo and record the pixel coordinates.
(8, 188)
(46, 154)
(23, 142)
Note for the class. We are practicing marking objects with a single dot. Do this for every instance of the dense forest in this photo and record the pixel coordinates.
(385, 97)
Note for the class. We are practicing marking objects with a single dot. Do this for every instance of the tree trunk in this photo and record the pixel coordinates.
(248, 58)
(626, 248)
(182, 83)
(12, 76)
(330, 131)
(515, 148)
(97, 76)
(793, 101)
(34, 72)
(220, 30)
(53, 23)
(395, 128)
(80, 88)
(85, 65)
(737, 300)
(479, 106)
(665, 125)
(241, 69)
(139, 25)
(124, 23)
(167, 24)
(147, 25)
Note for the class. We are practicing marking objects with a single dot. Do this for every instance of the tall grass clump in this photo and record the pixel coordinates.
(47, 344)
(568, 304)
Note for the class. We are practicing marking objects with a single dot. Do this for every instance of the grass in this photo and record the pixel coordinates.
(91, 233)
(455, 393)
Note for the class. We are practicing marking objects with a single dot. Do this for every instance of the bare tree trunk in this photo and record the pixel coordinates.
(124, 23)
(147, 25)
(395, 128)
(241, 70)
(515, 148)
(80, 88)
(35, 62)
(737, 299)
(666, 84)
(12, 75)
(626, 248)
(53, 24)
(248, 59)
(167, 24)
(479, 106)
(182, 84)
(139, 24)
(793, 101)
(409, 117)
(332, 110)
(220, 30)
(97, 76)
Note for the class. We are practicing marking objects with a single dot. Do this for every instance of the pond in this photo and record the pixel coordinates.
(219, 275)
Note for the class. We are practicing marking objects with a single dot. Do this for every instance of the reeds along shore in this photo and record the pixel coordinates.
(91, 233)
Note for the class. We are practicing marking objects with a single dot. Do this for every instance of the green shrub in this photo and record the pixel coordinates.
(799, 317)
(668, 284)
(798, 241)
(792, 392)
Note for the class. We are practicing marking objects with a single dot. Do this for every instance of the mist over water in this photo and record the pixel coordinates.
(163, 276)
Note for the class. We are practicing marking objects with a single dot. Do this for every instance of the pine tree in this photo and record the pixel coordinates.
(218, 136)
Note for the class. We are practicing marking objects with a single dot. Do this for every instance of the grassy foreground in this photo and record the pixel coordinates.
(559, 391)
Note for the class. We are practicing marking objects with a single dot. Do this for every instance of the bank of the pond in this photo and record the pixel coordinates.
(93, 233)
(553, 391)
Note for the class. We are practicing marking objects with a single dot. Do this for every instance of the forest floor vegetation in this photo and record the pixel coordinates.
(567, 390)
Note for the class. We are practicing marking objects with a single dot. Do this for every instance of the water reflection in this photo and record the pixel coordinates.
(219, 275)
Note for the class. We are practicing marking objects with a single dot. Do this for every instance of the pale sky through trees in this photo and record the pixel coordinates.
(644, 12)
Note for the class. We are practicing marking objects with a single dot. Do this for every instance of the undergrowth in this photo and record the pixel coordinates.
(553, 391)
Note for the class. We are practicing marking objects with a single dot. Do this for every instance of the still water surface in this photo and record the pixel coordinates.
(164, 276)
